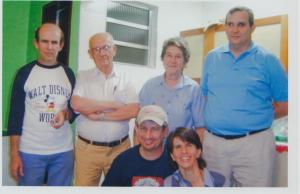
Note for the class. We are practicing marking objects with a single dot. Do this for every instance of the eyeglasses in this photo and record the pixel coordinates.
(105, 48)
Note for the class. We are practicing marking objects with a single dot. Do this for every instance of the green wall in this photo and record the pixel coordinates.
(73, 57)
(20, 19)
(35, 19)
(14, 47)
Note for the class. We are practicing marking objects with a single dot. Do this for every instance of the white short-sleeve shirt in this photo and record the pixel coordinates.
(93, 84)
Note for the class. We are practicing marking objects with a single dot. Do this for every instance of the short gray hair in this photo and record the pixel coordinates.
(179, 42)
(241, 8)
(106, 35)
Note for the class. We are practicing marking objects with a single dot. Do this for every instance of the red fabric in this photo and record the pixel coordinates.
(281, 148)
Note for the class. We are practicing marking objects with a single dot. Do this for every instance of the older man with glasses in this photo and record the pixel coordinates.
(106, 100)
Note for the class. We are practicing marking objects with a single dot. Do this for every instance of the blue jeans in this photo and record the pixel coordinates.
(57, 169)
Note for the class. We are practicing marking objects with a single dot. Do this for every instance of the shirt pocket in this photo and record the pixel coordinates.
(119, 95)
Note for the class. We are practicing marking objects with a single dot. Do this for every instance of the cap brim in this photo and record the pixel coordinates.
(155, 119)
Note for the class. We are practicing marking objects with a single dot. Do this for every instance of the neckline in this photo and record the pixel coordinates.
(47, 66)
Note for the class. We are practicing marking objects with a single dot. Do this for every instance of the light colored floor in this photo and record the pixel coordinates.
(7, 180)
(279, 180)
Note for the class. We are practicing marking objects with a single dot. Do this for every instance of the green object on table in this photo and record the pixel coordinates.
(280, 129)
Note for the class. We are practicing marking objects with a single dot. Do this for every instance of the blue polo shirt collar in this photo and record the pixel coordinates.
(252, 47)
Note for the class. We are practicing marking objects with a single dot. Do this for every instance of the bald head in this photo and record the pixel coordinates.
(102, 35)
(51, 26)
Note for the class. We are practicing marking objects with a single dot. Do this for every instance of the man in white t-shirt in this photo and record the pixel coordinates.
(41, 140)
(106, 100)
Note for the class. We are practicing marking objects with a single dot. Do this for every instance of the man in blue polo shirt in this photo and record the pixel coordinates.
(246, 87)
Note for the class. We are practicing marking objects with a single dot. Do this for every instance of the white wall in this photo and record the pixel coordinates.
(92, 20)
(261, 8)
(173, 17)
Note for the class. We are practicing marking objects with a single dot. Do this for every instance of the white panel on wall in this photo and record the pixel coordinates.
(217, 9)
(266, 36)
(92, 20)
(269, 38)
(220, 38)
(194, 66)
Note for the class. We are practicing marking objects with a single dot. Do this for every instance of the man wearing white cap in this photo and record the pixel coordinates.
(146, 164)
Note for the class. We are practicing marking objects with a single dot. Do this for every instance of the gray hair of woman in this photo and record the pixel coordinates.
(179, 42)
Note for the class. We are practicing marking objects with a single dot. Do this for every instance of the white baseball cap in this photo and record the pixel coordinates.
(154, 113)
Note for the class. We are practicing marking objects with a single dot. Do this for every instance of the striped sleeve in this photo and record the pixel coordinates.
(17, 101)
(71, 77)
